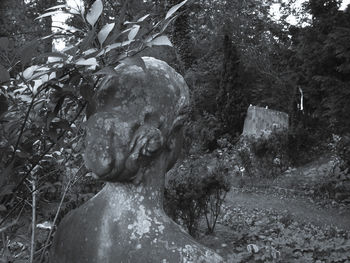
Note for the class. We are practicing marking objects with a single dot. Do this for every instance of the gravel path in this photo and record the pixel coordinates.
(300, 208)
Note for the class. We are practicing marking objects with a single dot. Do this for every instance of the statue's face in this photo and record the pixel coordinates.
(136, 113)
(107, 140)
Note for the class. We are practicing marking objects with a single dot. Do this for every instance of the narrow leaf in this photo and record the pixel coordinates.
(133, 32)
(126, 30)
(113, 46)
(167, 24)
(174, 9)
(87, 62)
(74, 11)
(55, 7)
(160, 41)
(94, 12)
(103, 34)
(89, 51)
(51, 14)
(143, 18)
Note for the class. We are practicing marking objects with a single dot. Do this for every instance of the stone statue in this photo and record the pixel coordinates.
(132, 140)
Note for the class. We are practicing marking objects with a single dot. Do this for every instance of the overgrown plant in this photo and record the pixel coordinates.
(217, 184)
(197, 189)
(265, 156)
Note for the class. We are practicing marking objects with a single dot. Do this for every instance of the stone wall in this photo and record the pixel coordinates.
(261, 121)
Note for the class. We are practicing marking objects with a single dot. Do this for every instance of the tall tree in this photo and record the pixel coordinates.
(232, 98)
(323, 63)
(181, 36)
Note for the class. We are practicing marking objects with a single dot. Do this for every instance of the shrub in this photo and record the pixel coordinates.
(244, 155)
(201, 134)
(306, 144)
(216, 185)
(343, 150)
(264, 156)
(195, 189)
(338, 185)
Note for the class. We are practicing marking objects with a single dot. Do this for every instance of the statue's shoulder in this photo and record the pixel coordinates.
(75, 238)
(90, 208)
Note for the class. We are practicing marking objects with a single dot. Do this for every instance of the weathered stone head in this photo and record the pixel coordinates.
(139, 115)
(132, 140)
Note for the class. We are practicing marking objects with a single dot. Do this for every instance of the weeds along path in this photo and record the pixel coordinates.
(301, 209)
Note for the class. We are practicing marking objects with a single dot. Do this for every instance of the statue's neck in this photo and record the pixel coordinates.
(120, 193)
(149, 192)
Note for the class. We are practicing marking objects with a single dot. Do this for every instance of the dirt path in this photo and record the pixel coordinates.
(300, 209)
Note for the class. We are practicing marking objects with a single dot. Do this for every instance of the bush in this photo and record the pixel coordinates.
(264, 156)
(343, 150)
(307, 143)
(244, 155)
(195, 189)
(201, 134)
(338, 185)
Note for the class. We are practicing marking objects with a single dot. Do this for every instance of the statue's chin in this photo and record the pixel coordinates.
(124, 176)
(120, 169)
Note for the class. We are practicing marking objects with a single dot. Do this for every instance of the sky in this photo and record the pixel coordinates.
(292, 19)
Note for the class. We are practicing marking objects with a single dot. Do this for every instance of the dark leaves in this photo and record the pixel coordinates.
(28, 51)
(3, 104)
(4, 75)
(4, 42)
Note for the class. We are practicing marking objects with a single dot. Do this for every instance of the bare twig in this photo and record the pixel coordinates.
(36, 163)
(49, 149)
(22, 129)
(32, 245)
(69, 184)
(54, 221)
(3, 229)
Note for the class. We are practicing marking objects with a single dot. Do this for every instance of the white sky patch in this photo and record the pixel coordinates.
(59, 21)
(344, 5)
(275, 12)
(298, 5)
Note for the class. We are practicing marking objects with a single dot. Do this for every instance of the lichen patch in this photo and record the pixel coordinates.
(141, 225)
